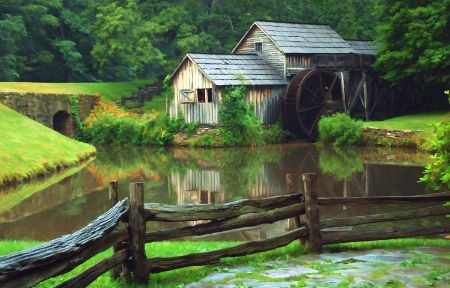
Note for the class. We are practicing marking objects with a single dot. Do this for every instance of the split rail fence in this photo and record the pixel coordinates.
(138, 99)
(123, 227)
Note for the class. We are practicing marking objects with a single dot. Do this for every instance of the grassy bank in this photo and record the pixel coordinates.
(29, 149)
(420, 122)
(179, 277)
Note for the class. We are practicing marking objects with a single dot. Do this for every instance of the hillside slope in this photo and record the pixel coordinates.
(29, 149)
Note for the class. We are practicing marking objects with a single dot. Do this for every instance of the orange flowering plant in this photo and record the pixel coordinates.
(110, 124)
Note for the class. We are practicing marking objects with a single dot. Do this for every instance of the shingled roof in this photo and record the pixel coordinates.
(230, 69)
(362, 47)
(302, 38)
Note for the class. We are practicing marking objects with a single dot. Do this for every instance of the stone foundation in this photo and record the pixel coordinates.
(389, 137)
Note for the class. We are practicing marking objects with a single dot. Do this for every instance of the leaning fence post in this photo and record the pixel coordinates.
(137, 233)
(312, 213)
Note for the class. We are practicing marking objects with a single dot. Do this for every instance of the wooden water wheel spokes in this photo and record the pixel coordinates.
(308, 97)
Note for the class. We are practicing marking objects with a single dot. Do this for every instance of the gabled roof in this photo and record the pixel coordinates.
(362, 47)
(302, 38)
(231, 69)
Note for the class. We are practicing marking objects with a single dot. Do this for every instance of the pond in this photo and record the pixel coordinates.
(67, 202)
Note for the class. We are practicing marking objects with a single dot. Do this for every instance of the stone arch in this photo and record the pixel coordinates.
(62, 123)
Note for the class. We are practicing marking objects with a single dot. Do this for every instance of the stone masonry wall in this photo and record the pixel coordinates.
(389, 137)
(42, 107)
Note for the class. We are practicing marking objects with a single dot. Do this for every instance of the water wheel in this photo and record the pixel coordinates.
(311, 94)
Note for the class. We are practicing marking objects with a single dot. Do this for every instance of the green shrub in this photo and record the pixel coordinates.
(275, 133)
(340, 130)
(437, 173)
(240, 124)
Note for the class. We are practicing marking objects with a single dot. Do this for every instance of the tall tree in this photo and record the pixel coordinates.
(12, 31)
(415, 38)
(123, 40)
(34, 55)
(75, 42)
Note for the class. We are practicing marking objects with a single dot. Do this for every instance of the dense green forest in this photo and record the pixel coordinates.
(120, 40)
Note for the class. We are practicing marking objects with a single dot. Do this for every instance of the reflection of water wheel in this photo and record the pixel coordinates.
(311, 94)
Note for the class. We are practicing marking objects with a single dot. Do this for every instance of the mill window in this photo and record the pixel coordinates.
(204, 95)
(258, 46)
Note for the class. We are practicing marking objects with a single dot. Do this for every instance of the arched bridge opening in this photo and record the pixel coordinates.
(62, 123)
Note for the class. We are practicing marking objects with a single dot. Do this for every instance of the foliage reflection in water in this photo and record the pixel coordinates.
(199, 176)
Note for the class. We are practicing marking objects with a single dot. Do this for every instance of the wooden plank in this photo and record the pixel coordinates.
(137, 233)
(31, 266)
(163, 212)
(246, 220)
(88, 276)
(444, 196)
(385, 217)
(330, 237)
(312, 212)
(366, 96)
(155, 265)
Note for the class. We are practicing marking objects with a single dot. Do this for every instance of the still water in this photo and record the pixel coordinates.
(67, 202)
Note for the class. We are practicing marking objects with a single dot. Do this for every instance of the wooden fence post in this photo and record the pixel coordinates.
(137, 234)
(113, 199)
(312, 213)
(296, 220)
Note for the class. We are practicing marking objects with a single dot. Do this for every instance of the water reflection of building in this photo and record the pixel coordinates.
(197, 187)
(267, 183)
(204, 187)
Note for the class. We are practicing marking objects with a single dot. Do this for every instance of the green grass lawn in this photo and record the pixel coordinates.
(419, 121)
(180, 277)
(108, 91)
(28, 148)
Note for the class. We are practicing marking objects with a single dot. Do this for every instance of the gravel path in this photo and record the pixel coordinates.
(405, 267)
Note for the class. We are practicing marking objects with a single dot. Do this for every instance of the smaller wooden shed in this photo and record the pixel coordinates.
(200, 79)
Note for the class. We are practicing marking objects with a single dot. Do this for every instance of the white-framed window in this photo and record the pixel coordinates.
(258, 47)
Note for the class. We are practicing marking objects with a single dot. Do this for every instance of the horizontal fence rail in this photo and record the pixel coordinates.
(124, 228)
(31, 266)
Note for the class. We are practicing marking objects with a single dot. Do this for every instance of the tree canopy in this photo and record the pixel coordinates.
(119, 40)
(415, 40)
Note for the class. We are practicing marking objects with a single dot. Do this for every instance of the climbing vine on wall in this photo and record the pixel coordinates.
(75, 112)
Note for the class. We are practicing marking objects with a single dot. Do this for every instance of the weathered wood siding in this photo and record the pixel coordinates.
(190, 77)
(266, 101)
(270, 51)
(297, 61)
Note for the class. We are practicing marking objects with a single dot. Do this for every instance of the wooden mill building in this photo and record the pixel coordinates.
(292, 71)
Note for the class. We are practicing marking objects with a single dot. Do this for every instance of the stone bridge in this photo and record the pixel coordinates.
(51, 110)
